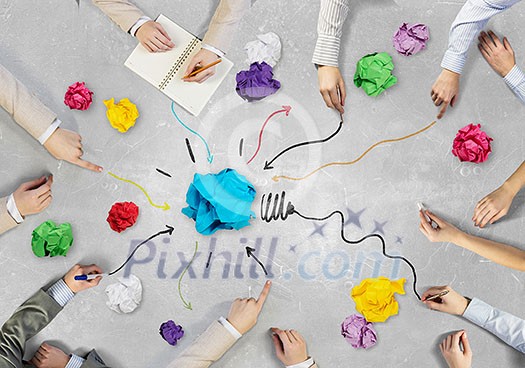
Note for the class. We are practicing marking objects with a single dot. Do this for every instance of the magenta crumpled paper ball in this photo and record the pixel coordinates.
(358, 332)
(78, 96)
(411, 38)
(472, 144)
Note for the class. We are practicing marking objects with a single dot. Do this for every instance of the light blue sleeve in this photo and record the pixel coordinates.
(506, 326)
(515, 79)
(469, 22)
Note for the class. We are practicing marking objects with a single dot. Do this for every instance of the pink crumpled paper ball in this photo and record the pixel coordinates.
(358, 332)
(78, 96)
(472, 144)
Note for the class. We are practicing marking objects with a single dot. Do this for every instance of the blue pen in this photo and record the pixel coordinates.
(89, 277)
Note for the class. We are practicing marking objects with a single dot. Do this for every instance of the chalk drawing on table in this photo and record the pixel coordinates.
(164, 207)
(186, 304)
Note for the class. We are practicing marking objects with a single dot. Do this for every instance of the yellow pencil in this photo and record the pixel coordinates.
(195, 72)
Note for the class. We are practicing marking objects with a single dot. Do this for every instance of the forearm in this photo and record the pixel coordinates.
(517, 180)
(500, 253)
(470, 20)
(122, 12)
(515, 80)
(332, 16)
(223, 25)
(505, 326)
(25, 108)
(7, 221)
(207, 348)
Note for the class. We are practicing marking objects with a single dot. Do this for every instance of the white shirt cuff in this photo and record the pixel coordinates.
(215, 50)
(515, 77)
(453, 62)
(60, 292)
(133, 30)
(306, 364)
(44, 137)
(75, 361)
(13, 209)
(326, 50)
(223, 321)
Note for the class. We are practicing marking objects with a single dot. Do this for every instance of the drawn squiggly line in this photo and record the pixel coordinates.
(279, 212)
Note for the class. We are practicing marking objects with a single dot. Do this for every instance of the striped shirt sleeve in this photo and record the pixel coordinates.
(515, 79)
(60, 292)
(75, 362)
(332, 17)
(470, 20)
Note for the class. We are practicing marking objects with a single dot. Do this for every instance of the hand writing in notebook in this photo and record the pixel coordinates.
(154, 38)
(202, 58)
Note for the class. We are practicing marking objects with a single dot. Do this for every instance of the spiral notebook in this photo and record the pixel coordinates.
(165, 70)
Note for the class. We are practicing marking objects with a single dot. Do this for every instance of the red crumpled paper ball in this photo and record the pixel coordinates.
(472, 144)
(78, 96)
(122, 215)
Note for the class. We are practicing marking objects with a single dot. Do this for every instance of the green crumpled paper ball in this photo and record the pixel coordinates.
(52, 240)
(374, 73)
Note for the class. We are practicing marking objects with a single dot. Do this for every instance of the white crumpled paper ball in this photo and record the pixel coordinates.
(124, 296)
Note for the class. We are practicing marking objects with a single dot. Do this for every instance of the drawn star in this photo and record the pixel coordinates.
(353, 218)
(399, 240)
(292, 248)
(318, 229)
(379, 227)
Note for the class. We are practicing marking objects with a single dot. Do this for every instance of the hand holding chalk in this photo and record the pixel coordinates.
(80, 285)
(443, 232)
(450, 302)
(244, 312)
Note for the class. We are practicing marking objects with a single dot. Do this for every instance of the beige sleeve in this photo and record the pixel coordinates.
(25, 108)
(206, 349)
(224, 23)
(6, 221)
(122, 12)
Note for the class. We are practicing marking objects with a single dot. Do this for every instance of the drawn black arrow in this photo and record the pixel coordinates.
(268, 164)
(168, 231)
(249, 252)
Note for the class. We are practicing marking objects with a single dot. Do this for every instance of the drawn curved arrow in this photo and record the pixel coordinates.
(186, 304)
(164, 207)
(249, 253)
(268, 164)
(285, 109)
(342, 163)
(168, 231)
(210, 156)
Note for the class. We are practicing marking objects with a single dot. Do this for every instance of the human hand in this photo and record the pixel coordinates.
(67, 145)
(451, 350)
(444, 232)
(34, 196)
(498, 54)
(77, 270)
(445, 90)
(452, 303)
(244, 312)
(201, 59)
(48, 356)
(153, 37)
(332, 87)
(493, 206)
(290, 346)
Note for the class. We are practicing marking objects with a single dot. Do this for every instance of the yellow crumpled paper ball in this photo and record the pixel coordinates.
(123, 115)
(374, 298)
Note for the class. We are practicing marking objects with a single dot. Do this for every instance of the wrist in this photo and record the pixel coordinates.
(451, 74)
(68, 284)
(512, 186)
(465, 303)
(505, 72)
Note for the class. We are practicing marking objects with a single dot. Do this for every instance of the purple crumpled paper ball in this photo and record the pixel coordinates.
(358, 332)
(171, 332)
(257, 82)
(411, 38)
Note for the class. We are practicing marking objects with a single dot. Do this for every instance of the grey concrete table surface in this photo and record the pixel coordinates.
(50, 44)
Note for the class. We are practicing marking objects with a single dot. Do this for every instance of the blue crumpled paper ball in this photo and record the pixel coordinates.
(220, 201)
